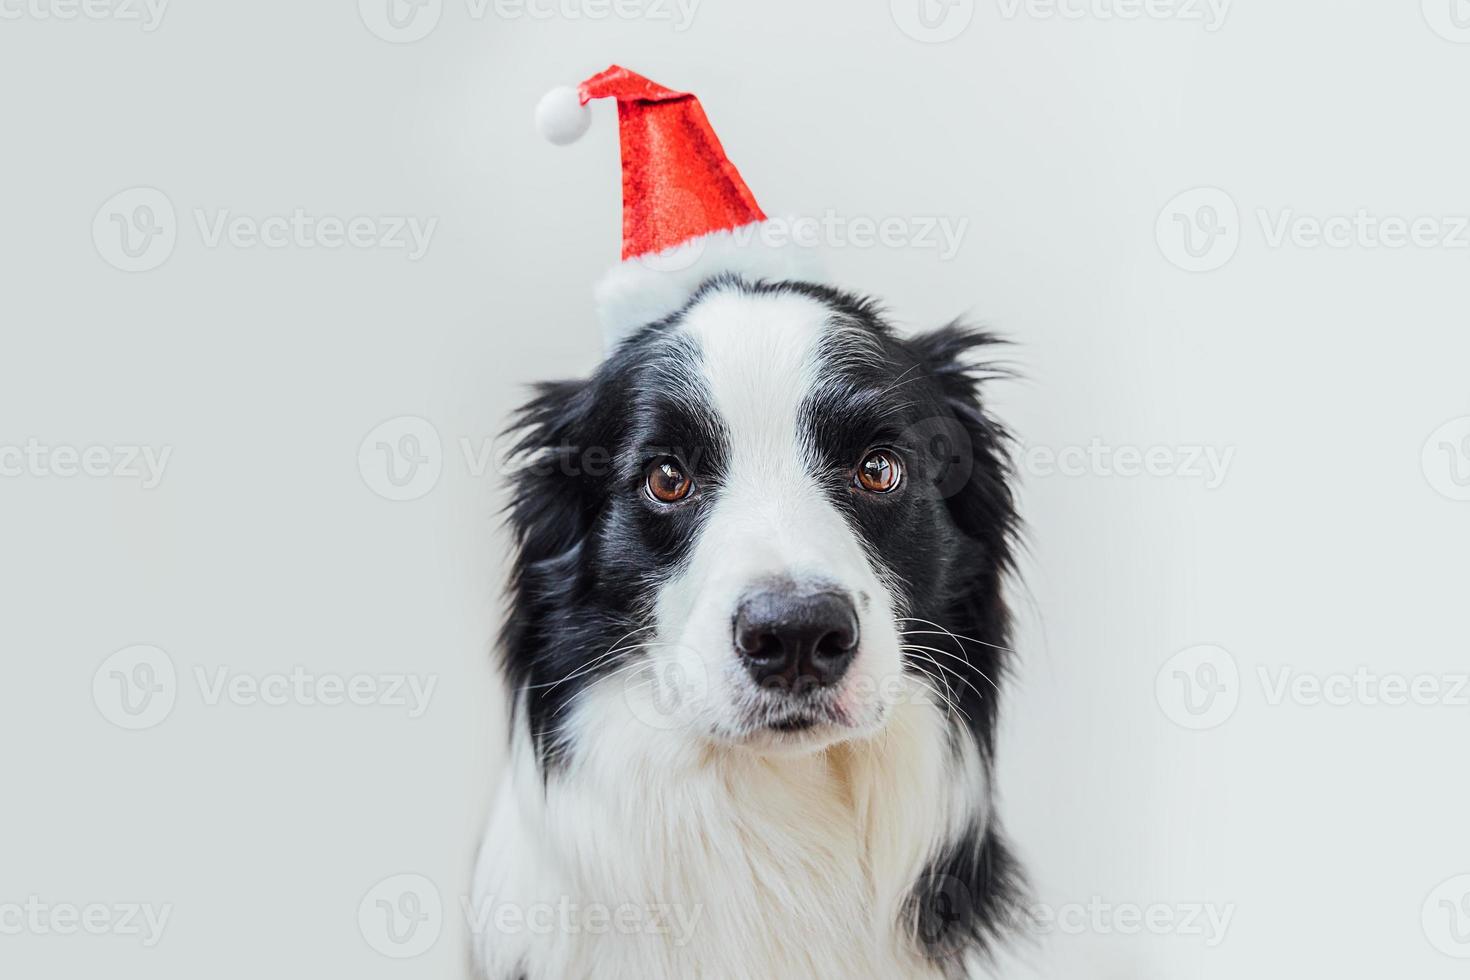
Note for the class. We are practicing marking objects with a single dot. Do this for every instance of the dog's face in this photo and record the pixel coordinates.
(754, 521)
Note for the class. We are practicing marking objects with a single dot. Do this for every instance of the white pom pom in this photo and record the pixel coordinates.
(561, 117)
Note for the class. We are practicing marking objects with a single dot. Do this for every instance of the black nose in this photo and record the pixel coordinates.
(792, 641)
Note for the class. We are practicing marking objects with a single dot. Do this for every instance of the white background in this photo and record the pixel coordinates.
(1334, 541)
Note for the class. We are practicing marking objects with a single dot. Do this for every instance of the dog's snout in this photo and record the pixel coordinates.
(789, 639)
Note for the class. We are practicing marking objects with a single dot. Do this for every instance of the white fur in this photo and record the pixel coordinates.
(729, 856)
(650, 287)
(757, 867)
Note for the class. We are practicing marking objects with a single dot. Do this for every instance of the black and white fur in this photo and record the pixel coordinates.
(649, 777)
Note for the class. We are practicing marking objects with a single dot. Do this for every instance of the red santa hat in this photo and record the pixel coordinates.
(687, 213)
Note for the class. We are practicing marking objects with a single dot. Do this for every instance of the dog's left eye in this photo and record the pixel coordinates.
(879, 472)
(667, 482)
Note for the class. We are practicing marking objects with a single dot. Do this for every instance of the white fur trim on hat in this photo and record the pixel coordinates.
(648, 288)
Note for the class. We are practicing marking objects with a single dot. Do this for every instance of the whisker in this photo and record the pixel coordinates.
(615, 646)
(587, 668)
(949, 702)
(961, 660)
(957, 636)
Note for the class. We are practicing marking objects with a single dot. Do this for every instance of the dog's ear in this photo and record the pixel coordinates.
(976, 484)
(553, 485)
(959, 358)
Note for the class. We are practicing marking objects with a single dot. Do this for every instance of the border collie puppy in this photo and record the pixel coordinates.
(755, 631)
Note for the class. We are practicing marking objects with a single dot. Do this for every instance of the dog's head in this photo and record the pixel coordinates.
(763, 522)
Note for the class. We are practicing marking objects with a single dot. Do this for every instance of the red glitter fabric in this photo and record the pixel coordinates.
(677, 182)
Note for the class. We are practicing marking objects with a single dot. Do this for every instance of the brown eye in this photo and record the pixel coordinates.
(666, 481)
(880, 471)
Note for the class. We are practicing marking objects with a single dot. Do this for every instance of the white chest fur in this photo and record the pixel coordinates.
(648, 858)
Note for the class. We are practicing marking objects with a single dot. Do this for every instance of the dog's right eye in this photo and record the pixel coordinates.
(667, 482)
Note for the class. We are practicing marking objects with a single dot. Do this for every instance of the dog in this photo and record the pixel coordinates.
(755, 634)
